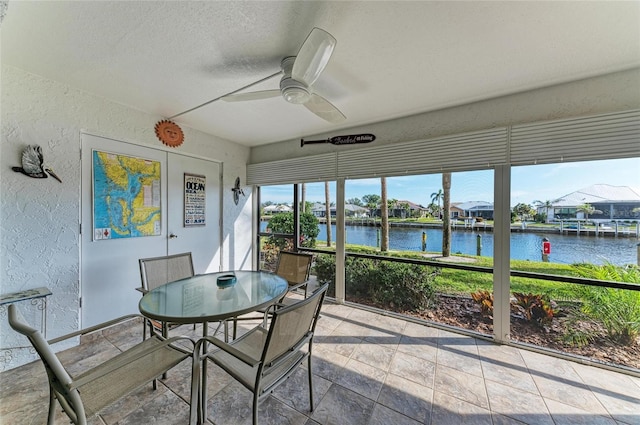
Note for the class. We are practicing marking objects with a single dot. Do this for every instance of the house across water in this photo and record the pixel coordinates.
(607, 203)
(472, 209)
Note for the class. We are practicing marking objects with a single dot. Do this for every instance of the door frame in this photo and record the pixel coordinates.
(87, 227)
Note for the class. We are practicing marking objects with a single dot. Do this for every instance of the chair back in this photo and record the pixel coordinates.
(157, 271)
(59, 378)
(294, 267)
(292, 326)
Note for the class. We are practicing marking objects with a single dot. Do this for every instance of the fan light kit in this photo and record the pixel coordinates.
(298, 75)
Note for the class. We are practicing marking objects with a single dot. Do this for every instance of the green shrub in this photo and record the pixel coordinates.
(617, 309)
(325, 270)
(283, 223)
(397, 286)
(359, 276)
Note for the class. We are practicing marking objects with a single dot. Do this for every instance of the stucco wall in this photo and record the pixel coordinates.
(39, 219)
(608, 93)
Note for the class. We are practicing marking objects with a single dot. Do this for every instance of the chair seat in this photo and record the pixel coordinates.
(252, 344)
(264, 358)
(125, 373)
(88, 392)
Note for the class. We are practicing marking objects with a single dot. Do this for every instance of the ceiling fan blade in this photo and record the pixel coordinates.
(324, 109)
(313, 56)
(254, 95)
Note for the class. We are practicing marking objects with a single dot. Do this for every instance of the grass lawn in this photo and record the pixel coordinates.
(453, 281)
(460, 281)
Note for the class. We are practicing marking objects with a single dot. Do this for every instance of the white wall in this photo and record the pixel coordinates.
(39, 218)
(608, 93)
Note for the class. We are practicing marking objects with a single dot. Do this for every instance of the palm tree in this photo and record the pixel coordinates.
(384, 213)
(303, 197)
(436, 198)
(547, 206)
(446, 215)
(523, 211)
(433, 209)
(587, 209)
(371, 201)
(406, 209)
(392, 205)
(327, 203)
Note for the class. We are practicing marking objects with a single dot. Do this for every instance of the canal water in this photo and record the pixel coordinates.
(524, 246)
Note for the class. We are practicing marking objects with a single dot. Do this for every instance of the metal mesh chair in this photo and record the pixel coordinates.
(157, 271)
(294, 267)
(264, 358)
(88, 393)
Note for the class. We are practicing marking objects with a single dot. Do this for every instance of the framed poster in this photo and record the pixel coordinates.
(194, 200)
(126, 196)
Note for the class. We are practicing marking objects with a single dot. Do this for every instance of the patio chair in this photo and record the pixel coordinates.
(89, 392)
(264, 358)
(157, 271)
(294, 267)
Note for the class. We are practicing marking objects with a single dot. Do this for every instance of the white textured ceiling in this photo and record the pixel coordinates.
(392, 58)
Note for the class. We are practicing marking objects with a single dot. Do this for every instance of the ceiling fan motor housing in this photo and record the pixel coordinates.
(294, 91)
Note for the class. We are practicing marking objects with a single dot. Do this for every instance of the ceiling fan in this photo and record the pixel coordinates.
(299, 74)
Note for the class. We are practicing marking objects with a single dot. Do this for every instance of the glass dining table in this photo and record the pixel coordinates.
(212, 297)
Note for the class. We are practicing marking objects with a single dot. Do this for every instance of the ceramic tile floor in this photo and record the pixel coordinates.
(368, 369)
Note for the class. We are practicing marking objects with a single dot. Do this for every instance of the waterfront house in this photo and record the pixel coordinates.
(472, 209)
(403, 209)
(610, 203)
(276, 209)
(408, 209)
(350, 210)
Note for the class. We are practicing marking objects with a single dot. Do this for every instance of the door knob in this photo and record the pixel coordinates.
(172, 236)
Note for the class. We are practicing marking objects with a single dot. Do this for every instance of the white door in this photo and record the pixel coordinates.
(202, 240)
(109, 266)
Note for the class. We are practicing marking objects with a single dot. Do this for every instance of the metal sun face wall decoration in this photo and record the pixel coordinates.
(33, 164)
(169, 133)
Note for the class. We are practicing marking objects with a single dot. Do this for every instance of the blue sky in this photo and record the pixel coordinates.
(528, 183)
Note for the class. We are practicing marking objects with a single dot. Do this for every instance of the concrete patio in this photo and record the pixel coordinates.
(368, 369)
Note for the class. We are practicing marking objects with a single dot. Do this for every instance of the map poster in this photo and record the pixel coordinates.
(126, 196)
(194, 200)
